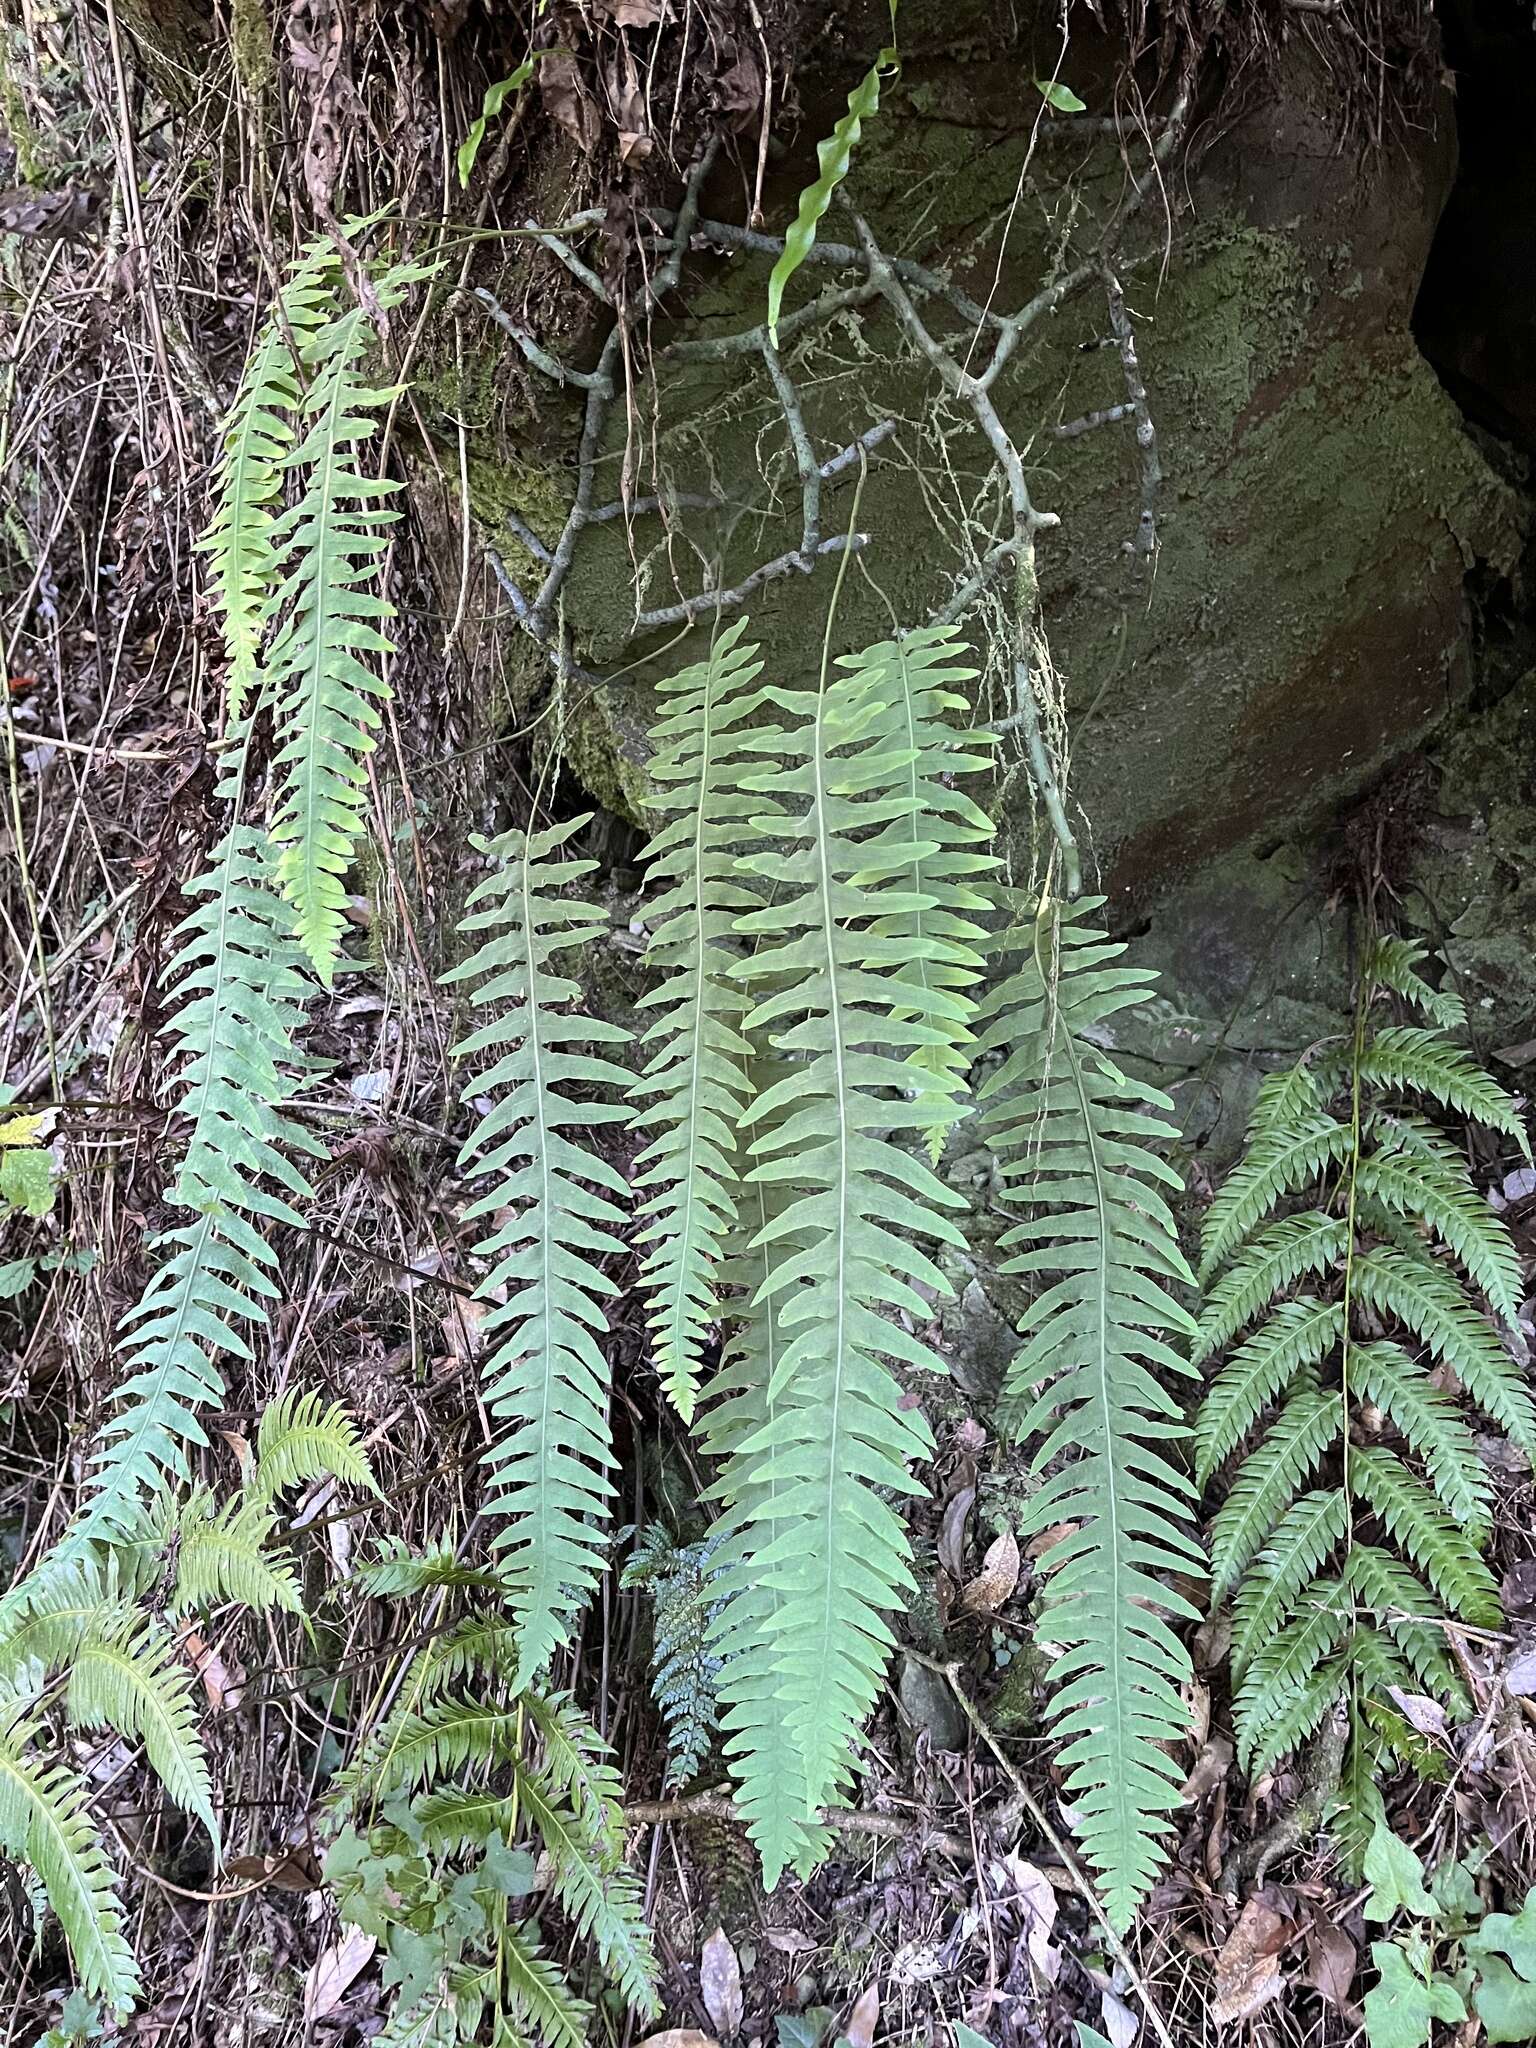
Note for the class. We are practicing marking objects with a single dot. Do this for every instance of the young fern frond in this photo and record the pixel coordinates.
(226, 1553)
(239, 998)
(300, 1439)
(258, 436)
(835, 1004)
(323, 662)
(680, 1579)
(546, 1380)
(936, 839)
(1340, 1590)
(1073, 1138)
(45, 1822)
(693, 1089)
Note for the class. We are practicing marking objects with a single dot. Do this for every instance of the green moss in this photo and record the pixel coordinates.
(250, 31)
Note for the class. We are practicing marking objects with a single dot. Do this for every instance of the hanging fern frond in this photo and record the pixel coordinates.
(680, 1579)
(693, 1089)
(300, 1439)
(935, 839)
(1342, 1588)
(324, 659)
(1073, 1138)
(546, 1380)
(744, 1397)
(44, 1822)
(835, 1004)
(257, 440)
(239, 998)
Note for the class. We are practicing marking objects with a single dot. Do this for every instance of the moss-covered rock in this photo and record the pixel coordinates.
(1322, 503)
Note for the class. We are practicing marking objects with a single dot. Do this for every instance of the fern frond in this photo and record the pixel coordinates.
(937, 837)
(1357, 1808)
(537, 1998)
(1308, 1534)
(1070, 1130)
(239, 998)
(694, 1082)
(1298, 1335)
(1268, 1265)
(299, 1440)
(1269, 1481)
(1300, 1715)
(224, 1553)
(596, 1888)
(1282, 1668)
(257, 439)
(44, 1821)
(1416, 1179)
(401, 1572)
(546, 1380)
(1383, 1587)
(1441, 1549)
(327, 695)
(744, 1629)
(848, 1203)
(1393, 963)
(684, 1669)
(447, 1737)
(74, 1616)
(1428, 1301)
(1421, 1061)
(1281, 1160)
(1431, 1426)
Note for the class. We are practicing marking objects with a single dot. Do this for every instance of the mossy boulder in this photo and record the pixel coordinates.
(1323, 505)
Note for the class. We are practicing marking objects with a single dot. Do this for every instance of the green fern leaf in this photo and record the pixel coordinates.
(299, 1440)
(225, 1554)
(1300, 1715)
(936, 838)
(537, 1999)
(1269, 1264)
(1276, 1683)
(1431, 1426)
(848, 1202)
(1308, 1534)
(239, 1011)
(684, 1670)
(1383, 1587)
(546, 1381)
(328, 697)
(1357, 1808)
(1298, 1335)
(1441, 1549)
(1415, 1180)
(694, 1084)
(44, 1822)
(598, 1891)
(744, 1629)
(1420, 1061)
(1069, 1131)
(1269, 1481)
(446, 1737)
(258, 435)
(1428, 1301)
(1280, 1161)
(1394, 964)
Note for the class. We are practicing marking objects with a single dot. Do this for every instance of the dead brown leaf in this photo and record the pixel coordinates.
(680, 2037)
(287, 1870)
(1248, 1968)
(951, 1543)
(223, 1678)
(1039, 1546)
(720, 1983)
(334, 1970)
(993, 1585)
(862, 2021)
(1331, 1961)
(1211, 1767)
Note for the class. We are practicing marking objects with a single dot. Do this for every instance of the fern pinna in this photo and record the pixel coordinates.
(679, 1577)
(838, 1003)
(546, 1380)
(1074, 1140)
(1352, 1274)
